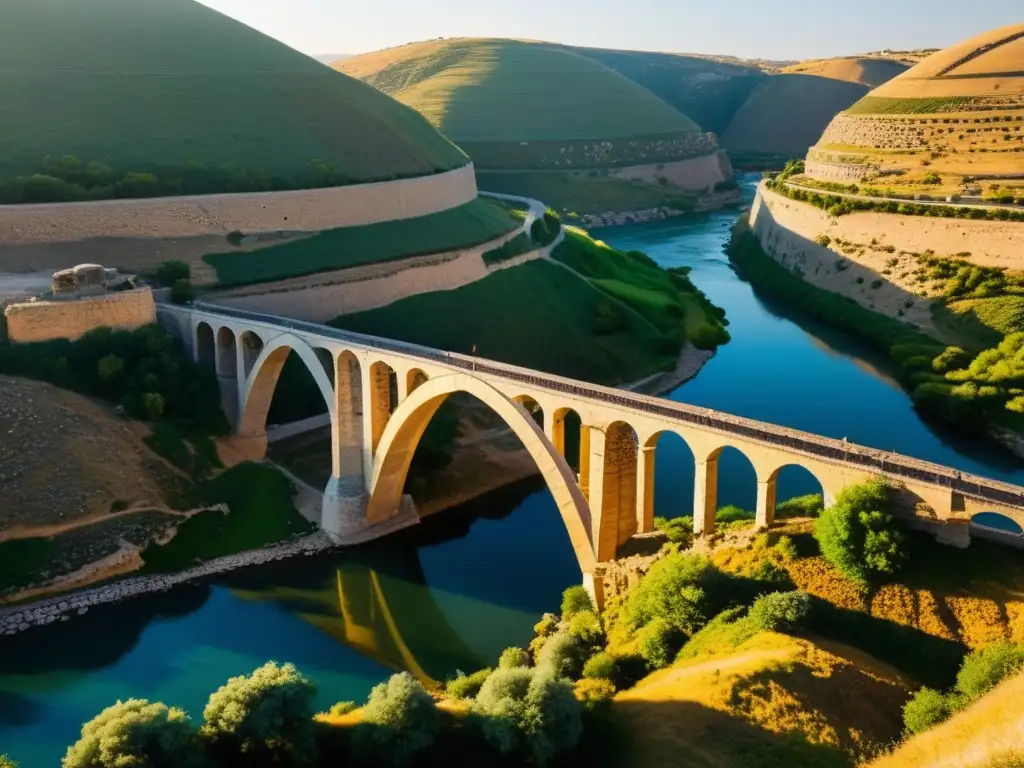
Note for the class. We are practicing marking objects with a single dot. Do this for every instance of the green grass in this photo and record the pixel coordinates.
(511, 91)
(197, 456)
(21, 561)
(162, 84)
(581, 192)
(472, 224)
(879, 105)
(262, 512)
(537, 315)
(517, 246)
(982, 323)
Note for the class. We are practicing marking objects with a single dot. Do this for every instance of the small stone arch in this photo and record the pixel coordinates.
(777, 494)
(226, 353)
(565, 430)
(414, 377)
(398, 445)
(666, 480)
(381, 397)
(533, 408)
(206, 345)
(742, 486)
(252, 346)
(999, 521)
(260, 386)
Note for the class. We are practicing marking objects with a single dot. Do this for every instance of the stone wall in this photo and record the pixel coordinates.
(45, 320)
(842, 172)
(696, 174)
(323, 297)
(876, 132)
(178, 217)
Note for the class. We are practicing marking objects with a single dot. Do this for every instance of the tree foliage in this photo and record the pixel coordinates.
(513, 657)
(574, 600)
(135, 734)
(268, 714)
(983, 670)
(672, 592)
(857, 534)
(928, 708)
(781, 611)
(400, 720)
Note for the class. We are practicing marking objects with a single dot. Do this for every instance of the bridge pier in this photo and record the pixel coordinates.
(343, 512)
(645, 489)
(705, 496)
(765, 510)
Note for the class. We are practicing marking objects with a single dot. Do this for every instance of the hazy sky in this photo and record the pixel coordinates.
(771, 29)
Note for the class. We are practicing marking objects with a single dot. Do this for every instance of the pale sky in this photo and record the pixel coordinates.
(770, 29)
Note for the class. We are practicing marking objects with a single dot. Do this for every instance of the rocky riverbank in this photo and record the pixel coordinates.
(706, 203)
(21, 618)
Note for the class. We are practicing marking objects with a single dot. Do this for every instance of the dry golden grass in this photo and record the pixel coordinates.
(869, 72)
(988, 734)
(772, 694)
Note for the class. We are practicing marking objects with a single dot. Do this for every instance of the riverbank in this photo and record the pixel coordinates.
(22, 618)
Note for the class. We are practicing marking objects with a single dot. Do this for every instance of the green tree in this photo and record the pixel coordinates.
(153, 404)
(857, 534)
(574, 600)
(267, 715)
(170, 272)
(927, 709)
(513, 657)
(110, 367)
(6, 762)
(983, 670)
(135, 733)
(400, 720)
(672, 591)
(182, 292)
(781, 611)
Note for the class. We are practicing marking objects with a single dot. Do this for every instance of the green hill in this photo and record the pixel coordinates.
(524, 105)
(174, 88)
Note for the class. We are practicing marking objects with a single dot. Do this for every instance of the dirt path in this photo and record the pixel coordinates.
(49, 531)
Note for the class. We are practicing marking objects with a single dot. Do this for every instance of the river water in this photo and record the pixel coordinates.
(451, 594)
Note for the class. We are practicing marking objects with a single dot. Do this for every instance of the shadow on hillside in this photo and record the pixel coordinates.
(688, 735)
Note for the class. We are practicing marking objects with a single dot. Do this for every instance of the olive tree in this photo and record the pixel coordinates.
(135, 734)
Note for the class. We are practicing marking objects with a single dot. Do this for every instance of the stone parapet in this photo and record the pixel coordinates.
(34, 321)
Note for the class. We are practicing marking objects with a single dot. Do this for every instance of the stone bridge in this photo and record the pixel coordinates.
(381, 394)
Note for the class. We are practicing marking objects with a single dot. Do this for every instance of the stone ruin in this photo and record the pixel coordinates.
(88, 280)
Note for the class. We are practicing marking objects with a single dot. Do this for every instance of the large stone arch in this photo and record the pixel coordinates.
(770, 493)
(227, 353)
(652, 451)
(398, 445)
(205, 345)
(262, 382)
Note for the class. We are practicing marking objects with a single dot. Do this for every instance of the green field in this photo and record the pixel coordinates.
(469, 225)
(879, 105)
(517, 246)
(582, 192)
(537, 315)
(148, 85)
(262, 512)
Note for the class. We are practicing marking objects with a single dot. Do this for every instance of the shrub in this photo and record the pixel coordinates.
(928, 708)
(181, 292)
(732, 514)
(678, 530)
(513, 657)
(235, 237)
(586, 627)
(170, 272)
(801, 506)
(574, 600)
(547, 625)
(983, 670)
(131, 733)
(342, 708)
(781, 611)
(6, 762)
(952, 359)
(265, 715)
(670, 591)
(857, 534)
(529, 712)
(594, 693)
(467, 686)
(600, 666)
(400, 720)
(563, 655)
(658, 643)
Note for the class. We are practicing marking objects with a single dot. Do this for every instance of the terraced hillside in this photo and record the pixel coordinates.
(951, 125)
(201, 102)
(788, 112)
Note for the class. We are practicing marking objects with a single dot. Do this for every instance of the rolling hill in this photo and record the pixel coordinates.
(941, 127)
(786, 114)
(514, 104)
(174, 88)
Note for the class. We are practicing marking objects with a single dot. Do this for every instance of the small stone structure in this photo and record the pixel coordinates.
(82, 298)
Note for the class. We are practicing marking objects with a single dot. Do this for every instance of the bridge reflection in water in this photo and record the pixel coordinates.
(392, 618)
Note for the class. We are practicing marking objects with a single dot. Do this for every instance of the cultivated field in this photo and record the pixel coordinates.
(512, 91)
(173, 87)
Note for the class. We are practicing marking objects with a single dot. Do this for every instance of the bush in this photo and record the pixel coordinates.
(547, 625)
(574, 600)
(6, 762)
(586, 627)
(513, 657)
(983, 670)
(594, 693)
(529, 712)
(658, 643)
(134, 733)
(265, 715)
(400, 720)
(678, 530)
(670, 592)
(857, 534)
(732, 514)
(600, 666)
(781, 611)
(563, 655)
(170, 272)
(927, 709)
(468, 686)
(801, 506)
(181, 292)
